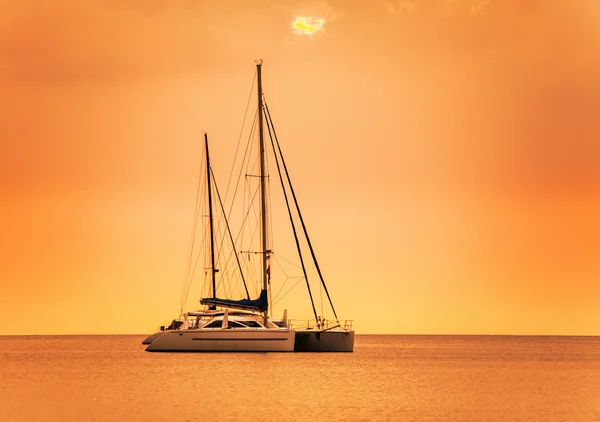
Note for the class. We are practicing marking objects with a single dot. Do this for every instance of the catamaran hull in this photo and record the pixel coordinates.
(151, 338)
(226, 340)
(324, 341)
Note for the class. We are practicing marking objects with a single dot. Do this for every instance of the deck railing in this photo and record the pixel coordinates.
(296, 324)
(324, 324)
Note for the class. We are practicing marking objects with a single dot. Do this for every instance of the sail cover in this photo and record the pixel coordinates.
(260, 304)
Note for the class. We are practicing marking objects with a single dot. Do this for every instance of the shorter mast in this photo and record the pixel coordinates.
(210, 216)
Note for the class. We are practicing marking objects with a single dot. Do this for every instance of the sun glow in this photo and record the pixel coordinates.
(306, 25)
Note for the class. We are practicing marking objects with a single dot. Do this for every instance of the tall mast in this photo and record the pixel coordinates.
(210, 216)
(263, 205)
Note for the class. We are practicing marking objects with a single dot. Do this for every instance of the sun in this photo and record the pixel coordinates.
(307, 25)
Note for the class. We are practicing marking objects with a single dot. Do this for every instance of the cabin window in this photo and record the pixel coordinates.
(230, 324)
(252, 324)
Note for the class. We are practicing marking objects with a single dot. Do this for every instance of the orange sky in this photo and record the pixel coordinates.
(446, 154)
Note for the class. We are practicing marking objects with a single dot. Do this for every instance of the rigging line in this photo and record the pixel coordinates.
(246, 221)
(231, 238)
(228, 270)
(291, 288)
(312, 252)
(252, 167)
(220, 247)
(228, 258)
(205, 290)
(240, 137)
(204, 226)
(205, 258)
(251, 218)
(211, 220)
(239, 240)
(217, 256)
(277, 297)
(300, 277)
(287, 203)
(185, 283)
(244, 160)
(269, 201)
(192, 241)
(276, 260)
(252, 229)
(251, 271)
(252, 129)
(269, 227)
(201, 248)
(321, 299)
(189, 284)
(286, 260)
(287, 277)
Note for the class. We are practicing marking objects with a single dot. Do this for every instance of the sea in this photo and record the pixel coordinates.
(387, 378)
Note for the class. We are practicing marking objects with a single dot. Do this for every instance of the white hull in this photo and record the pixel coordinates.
(224, 340)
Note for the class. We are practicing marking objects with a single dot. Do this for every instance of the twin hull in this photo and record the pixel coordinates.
(250, 341)
(223, 340)
(324, 341)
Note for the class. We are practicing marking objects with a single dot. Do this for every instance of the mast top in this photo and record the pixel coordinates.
(259, 62)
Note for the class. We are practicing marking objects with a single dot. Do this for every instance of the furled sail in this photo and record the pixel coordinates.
(261, 304)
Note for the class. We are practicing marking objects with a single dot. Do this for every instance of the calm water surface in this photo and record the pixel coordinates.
(388, 378)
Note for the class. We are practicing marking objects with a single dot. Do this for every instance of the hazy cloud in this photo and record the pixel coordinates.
(478, 7)
(399, 6)
(402, 7)
(459, 7)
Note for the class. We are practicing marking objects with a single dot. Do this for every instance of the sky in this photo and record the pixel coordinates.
(446, 155)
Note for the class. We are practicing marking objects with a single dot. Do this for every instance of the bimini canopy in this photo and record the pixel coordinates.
(259, 304)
